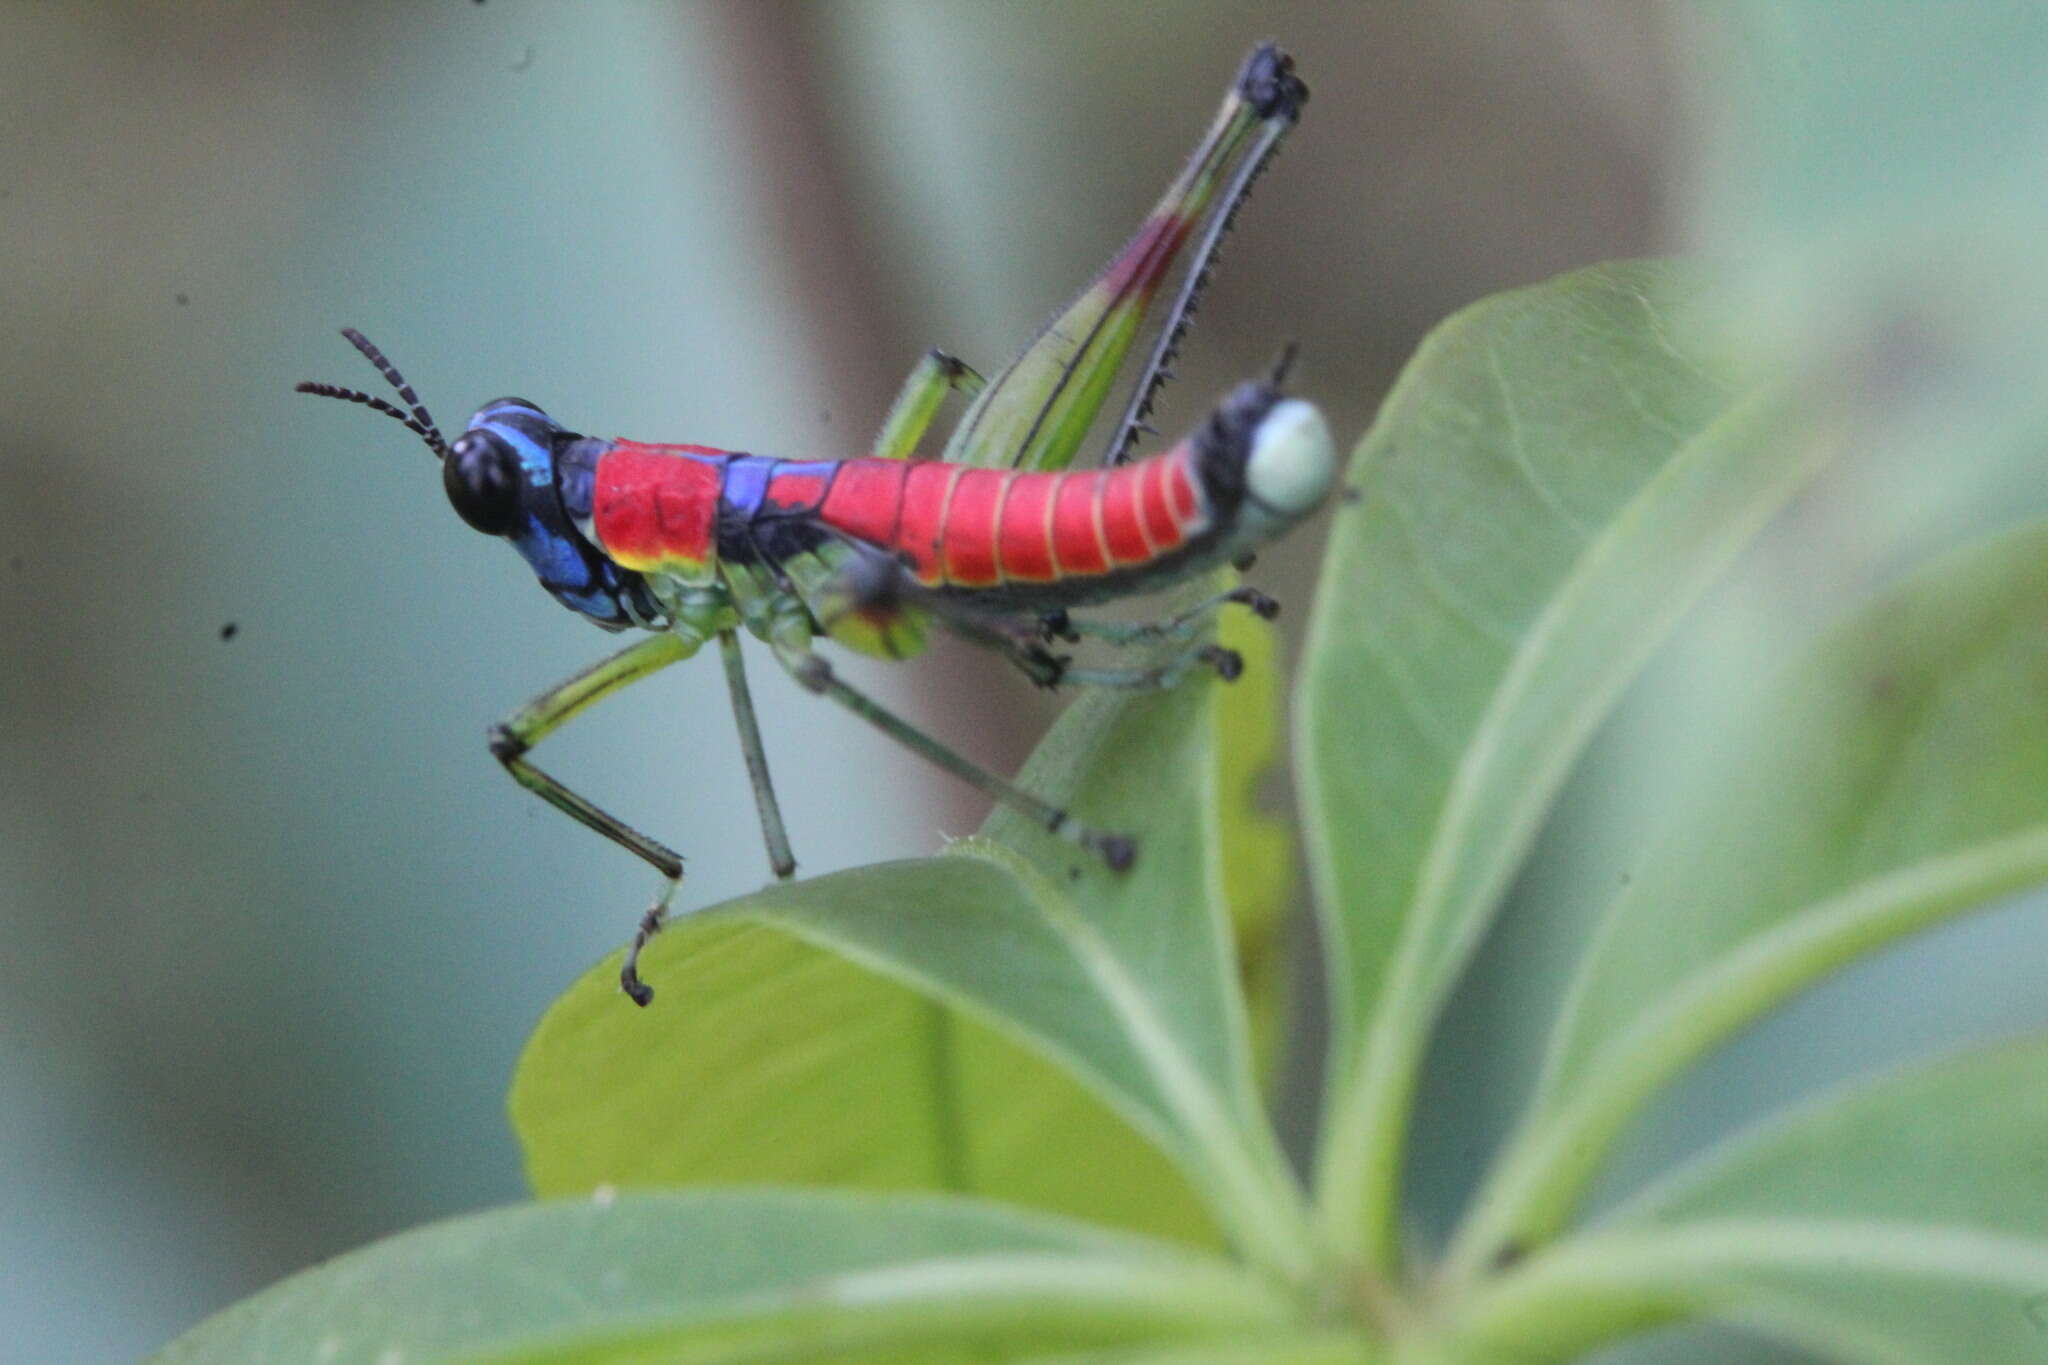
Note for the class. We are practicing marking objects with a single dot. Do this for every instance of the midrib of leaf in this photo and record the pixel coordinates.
(1599, 1288)
(1242, 1174)
(1187, 1288)
(1302, 1346)
(902, 1307)
(1545, 1169)
(1360, 1152)
(949, 1121)
(759, 1275)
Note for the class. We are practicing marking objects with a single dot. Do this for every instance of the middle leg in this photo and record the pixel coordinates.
(772, 831)
(814, 673)
(1182, 625)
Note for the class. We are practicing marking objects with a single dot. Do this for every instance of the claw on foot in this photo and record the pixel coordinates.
(1262, 606)
(1228, 663)
(1044, 667)
(814, 674)
(1118, 850)
(1057, 625)
(638, 991)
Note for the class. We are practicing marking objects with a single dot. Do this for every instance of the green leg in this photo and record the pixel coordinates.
(917, 403)
(1042, 666)
(1268, 82)
(779, 856)
(1026, 648)
(1180, 626)
(1051, 670)
(793, 649)
(533, 722)
(1227, 663)
(1022, 640)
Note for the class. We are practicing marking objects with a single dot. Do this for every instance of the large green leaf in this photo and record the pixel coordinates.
(1157, 941)
(1895, 1220)
(1961, 1140)
(1257, 846)
(1892, 1221)
(767, 1059)
(1558, 473)
(1916, 730)
(1889, 1293)
(761, 1275)
(1897, 776)
(770, 1059)
(1955, 1146)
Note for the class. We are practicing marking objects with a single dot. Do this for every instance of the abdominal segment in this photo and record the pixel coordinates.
(958, 527)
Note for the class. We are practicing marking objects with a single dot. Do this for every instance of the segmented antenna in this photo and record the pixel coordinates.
(1159, 365)
(1283, 364)
(419, 421)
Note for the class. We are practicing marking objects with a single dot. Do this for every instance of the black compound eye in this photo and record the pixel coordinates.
(482, 477)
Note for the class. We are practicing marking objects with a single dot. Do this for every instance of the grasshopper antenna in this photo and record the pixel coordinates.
(1283, 364)
(419, 422)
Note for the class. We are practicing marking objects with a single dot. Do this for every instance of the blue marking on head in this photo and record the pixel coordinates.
(510, 434)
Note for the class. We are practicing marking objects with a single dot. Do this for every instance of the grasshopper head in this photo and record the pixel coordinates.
(500, 463)
(501, 476)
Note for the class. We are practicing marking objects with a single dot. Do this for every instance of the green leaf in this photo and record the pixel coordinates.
(768, 1059)
(1126, 981)
(1958, 1140)
(1257, 846)
(1915, 730)
(1850, 1290)
(1157, 940)
(771, 1275)
(1559, 472)
(1954, 1146)
(1898, 776)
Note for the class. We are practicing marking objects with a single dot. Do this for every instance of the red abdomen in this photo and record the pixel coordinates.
(657, 509)
(980, 528)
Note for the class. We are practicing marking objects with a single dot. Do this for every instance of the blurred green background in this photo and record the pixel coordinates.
(272, 924)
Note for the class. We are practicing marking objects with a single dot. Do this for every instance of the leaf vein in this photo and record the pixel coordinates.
(1518, 448)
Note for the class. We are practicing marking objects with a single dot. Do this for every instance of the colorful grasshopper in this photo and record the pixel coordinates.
(996, 540)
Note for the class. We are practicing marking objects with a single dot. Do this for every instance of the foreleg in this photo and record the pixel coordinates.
(815, 673)
(535, 721)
